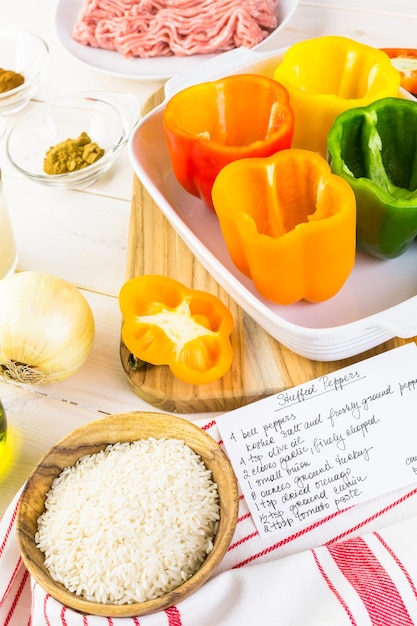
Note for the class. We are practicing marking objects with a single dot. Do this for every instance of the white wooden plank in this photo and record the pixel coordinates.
(78, 236)
(399, 7)
(359, 22)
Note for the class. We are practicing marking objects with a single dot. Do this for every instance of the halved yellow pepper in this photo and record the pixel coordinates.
(289, 224)
(165, 323)
(327, 75)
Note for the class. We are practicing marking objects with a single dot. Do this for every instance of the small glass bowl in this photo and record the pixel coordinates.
(104, 117)
(25, 53)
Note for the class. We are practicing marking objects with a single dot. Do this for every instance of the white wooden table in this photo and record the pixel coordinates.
(82, 235)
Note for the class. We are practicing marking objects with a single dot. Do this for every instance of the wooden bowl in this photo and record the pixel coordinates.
(91, 438)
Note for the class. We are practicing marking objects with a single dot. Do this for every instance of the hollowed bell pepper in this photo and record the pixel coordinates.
(211, 124)
(327, 75)
(289, 224)
(165, 323)
(374, 149)
(405, 61)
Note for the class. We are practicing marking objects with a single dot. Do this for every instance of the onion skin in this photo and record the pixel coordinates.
(46, 328)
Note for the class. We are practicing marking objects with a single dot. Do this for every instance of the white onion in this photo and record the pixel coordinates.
(46, 328)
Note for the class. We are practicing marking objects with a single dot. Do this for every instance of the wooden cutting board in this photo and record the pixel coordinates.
(261, 365)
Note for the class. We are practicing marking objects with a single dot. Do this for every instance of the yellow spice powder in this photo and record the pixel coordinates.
(10, 80)
(71, 155)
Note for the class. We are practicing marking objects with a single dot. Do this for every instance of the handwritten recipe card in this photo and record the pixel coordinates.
(328, 444)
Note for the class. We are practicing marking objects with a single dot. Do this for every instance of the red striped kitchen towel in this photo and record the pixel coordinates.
(358, 567)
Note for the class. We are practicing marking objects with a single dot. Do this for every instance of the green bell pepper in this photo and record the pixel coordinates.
(374, 148)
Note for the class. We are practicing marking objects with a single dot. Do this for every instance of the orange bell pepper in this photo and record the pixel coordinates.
(211, 124)
(289, 224)
(405, 61)
(327, 75)
(165, 323)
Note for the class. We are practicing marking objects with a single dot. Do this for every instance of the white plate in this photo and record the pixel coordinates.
(159, 68)
(377, 302)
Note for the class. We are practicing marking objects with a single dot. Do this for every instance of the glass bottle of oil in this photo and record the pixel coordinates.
(8, 250)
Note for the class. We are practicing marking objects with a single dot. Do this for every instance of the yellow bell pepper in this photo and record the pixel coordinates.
(327, 75)
(289, 224)
(165, 323)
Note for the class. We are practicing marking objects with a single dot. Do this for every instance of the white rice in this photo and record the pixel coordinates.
(131, 522)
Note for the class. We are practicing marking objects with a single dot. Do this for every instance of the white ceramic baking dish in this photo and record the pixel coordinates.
(378, 301)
